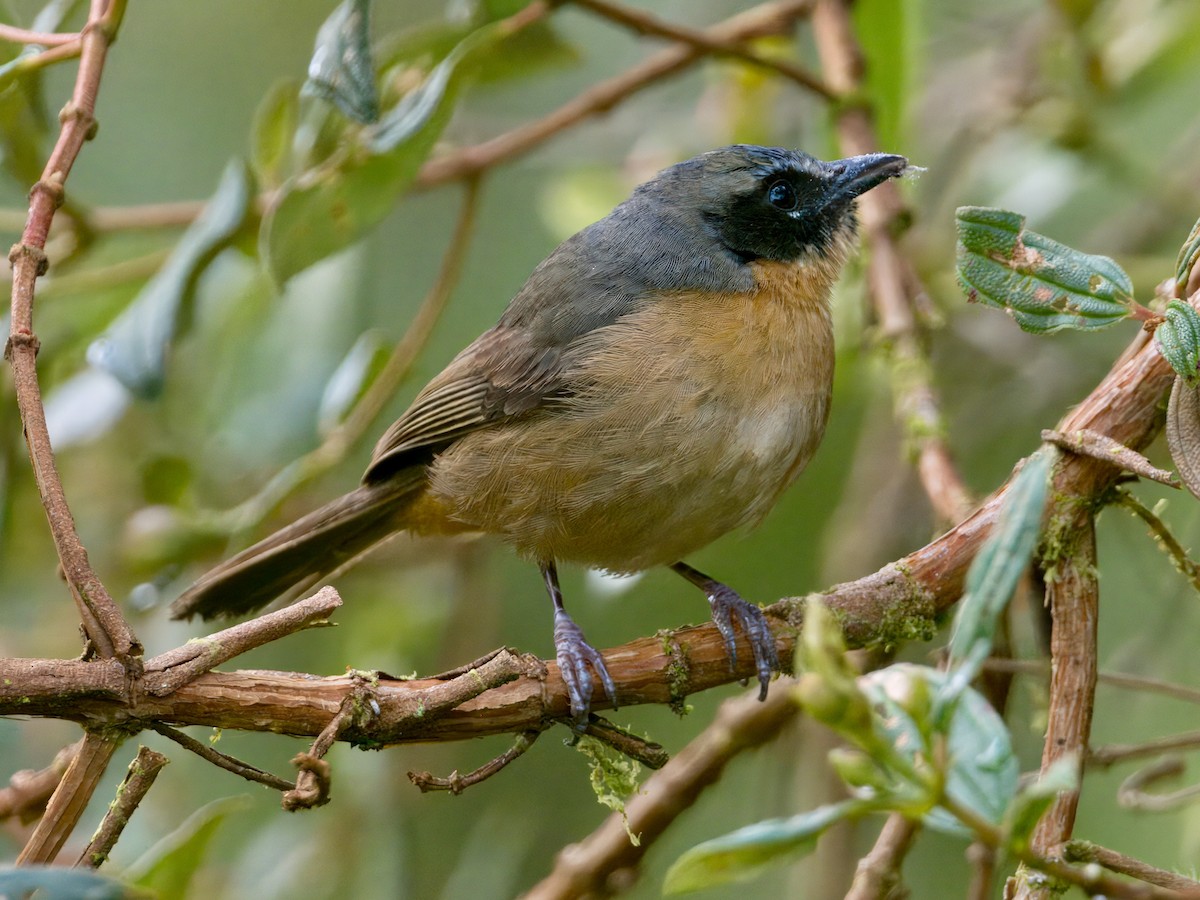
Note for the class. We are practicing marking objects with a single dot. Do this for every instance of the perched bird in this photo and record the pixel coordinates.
(660, 379)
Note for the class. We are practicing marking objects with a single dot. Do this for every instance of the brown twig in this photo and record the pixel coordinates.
(69, 800)
(1103, 757)
(1134, 794)
(223, 760)
(1085, 851)
(983, 871)
(648, 753)
(607, 860)
(1101, 446)
(878, 873)
(456, 784)
(138, 780)
(647, 24)
(1113, 679)
(168, 671)
(767, 18)
(106, 628)
(28, 790)
(15, 35)
(315, 779)
(893, 282)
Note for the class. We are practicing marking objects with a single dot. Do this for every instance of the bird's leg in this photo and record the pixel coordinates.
(728, 607)
(575, 654)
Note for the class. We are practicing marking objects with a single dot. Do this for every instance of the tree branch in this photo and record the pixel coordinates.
(138, 780)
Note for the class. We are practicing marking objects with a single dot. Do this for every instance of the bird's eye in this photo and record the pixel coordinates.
(782, 195)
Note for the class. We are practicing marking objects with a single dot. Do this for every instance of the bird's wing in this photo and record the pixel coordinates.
(505, 373)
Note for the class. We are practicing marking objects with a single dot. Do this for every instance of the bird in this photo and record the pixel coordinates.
(659, 381)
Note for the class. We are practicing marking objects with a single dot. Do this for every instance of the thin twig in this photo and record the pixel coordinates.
(313, 782)
(768, 18)
(893, 281)
(1167, 542)
(647, 24)
(1085, 851)
(70, 798)
(1111, 754)
(169, 671)
(138, 780)
(104, 624)
(1101, 446)
(607, 856)
(456, 784)
(223, 760)
(878, 873)
(28, 790)
(15, 35)
(983, 870)
(648, 753)
(1113, 679)
(1134, 794)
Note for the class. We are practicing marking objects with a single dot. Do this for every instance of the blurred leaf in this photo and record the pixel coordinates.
(60, 883)
(326, 210)
(84, 407)
(744, 853)
(981, 768)
(1044, 285)
(1178, 339)
(1188, 254)
(165, 479)
(134, 348)
(1183, 432)
(350, 380)
(885, 29)
(1034, 799)
(341, 70)
(275, 123)
(996, 569)
(169, 866)
(527, 52)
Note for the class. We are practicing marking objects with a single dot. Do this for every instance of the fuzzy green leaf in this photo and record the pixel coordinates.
(1044, 285)
(171, 864)
(1178, 340)
(341, 70)
(271, 135)
(134, 348)
(743, 854)
(1032, 801)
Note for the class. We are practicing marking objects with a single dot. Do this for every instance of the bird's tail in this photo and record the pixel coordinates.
(298, 555)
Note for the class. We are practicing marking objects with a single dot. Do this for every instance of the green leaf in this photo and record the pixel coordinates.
(59, 883)
(341, 70)
(169, 866)
(1178, 340)
(350, 380)
(744, 853)
(134, 348)
(997, 568)
(326, 210)
(1188, 255)
(1044, 285)
(271, 136)
(981, 769)
(1028, 806)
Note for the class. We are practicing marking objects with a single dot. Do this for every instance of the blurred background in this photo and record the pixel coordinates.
(1079, 114)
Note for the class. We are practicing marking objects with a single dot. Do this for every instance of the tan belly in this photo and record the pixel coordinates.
(692, 418)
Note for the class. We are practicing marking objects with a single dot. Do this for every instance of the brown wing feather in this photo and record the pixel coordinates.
(503, 374)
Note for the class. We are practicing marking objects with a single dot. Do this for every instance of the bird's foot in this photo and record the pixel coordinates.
(575, 655)
(727, 608)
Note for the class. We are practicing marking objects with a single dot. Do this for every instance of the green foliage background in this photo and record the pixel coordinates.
(1079, 114)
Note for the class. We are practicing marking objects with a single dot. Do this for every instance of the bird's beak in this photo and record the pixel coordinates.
(858, 174)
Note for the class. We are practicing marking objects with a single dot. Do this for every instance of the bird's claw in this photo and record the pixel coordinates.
(575, 655)
(728, 607)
